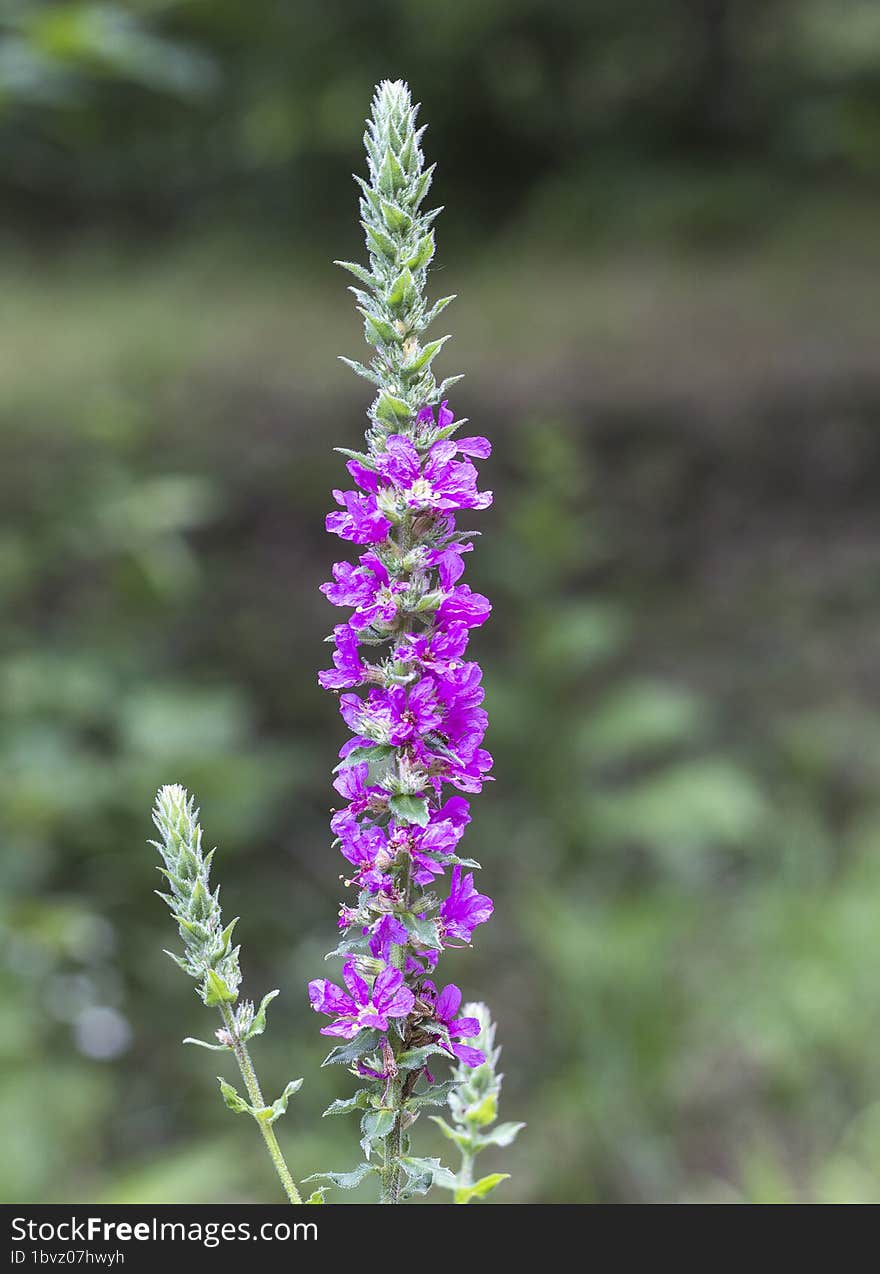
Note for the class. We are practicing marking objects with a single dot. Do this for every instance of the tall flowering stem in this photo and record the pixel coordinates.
(211, 959)
(408, 693)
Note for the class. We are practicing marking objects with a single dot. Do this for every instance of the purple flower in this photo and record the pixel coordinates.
(388, 933)
(365, 846)
(437, 650)
(361, 1006)
(362, 523)
(448, 561)
(413, 712)
(368, 589)
(444, 416)
(465, 607)
(437, 482)
(348, 670)
(422, 718)
(464, 909)
(445, 1007)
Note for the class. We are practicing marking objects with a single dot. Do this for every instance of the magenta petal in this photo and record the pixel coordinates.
(470, 1056)
(355, 983)
(447, 1003)
(326, 997)
(401, 1004)
(378, 1020)
(386, 985)
(465, 1026)
(344, 1027)
(479, 447)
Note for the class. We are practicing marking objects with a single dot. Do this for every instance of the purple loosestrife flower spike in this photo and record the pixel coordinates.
(410, 695)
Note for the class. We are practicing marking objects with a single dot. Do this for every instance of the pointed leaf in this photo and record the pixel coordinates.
(423, 930)
(503, 1135)
(279, 1106)
(440, 1176)
(464, 1194)
(358, 271)
(415, 1058)
(394, 217)
(364, 1042)
(233, 1100)
(346, 1105)
(391, 410)
(258, 1025)
(345, 1180)
(216, 990)
(436, 1095)
(425, 356)
(410, 809)
(217, 1048)
(460, 1138)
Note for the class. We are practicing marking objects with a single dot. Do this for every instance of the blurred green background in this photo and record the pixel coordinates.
(662, 225)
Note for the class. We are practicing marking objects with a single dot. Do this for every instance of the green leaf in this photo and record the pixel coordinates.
(181, 961)
(415, 1058)
(360, 370)
(486, 1112)
(402, 291)
(379, 331)
(423, 253)
(360, 456)
(436, 1095)
(279, 1106)
(364, 1042)
(217, 1048)
(356, 755)
(410, 809)
(380, 243)
(464, 1194)
(440, 1176)
(391, 410)
(425, 356)
(437, 308)
(226, 936)
(378, 758)
(345, 1105)
(391, 177)
(417, 1184)
(394, 217)
(460, 1138)
(421, 187)
(348, 945)
(345, 1180)
(358, 271)
(424, 931)
(259, 1023)
(317, 1196)
(503, 1135)
(232, 1098)
(375, 1125)
(216, 990)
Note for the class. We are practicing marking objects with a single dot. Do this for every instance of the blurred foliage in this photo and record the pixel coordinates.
(683, 836)
(707, 117)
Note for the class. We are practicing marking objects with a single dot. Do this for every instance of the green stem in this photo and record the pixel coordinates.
(466, 1172)
(252, 1084)
(393, 1147)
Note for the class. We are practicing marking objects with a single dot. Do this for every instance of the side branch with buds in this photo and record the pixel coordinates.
(212, 960)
